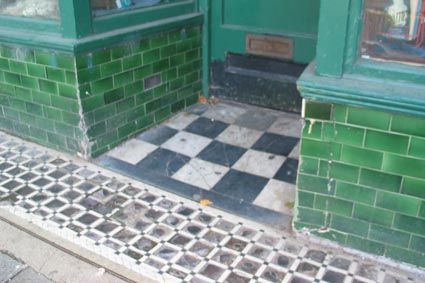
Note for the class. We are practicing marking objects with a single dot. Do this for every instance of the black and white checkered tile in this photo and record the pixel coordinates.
(233, 154)
(160, 235)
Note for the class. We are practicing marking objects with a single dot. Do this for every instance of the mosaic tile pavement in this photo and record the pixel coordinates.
(242, 158)
(161, 235)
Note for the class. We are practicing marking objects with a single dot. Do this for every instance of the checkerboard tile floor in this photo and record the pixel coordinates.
(242, 158)
(161, 235)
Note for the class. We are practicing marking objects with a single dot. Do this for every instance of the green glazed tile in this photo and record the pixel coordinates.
(121, 51)
(18, 67)
(334, 205)
(366, 245)
(162, 114)
(168, 51)
(101, 85)
(142, 45)
(344, 172)
(344, 134)
(408, 125)
(404, 255)
(38, 71)
(96, 129)
(386, 142)
(125, 104)
(159, 41)
(92, 103)
(48, 86)
(389, 236)
(135, 113)
(143, 72)
(67, 91)
(111, 68)
(417, 244)
(398, 203)
(132, 62)
(380, 180)
(312, 129)
(29, 82)
(34, 108)
(43, 58)
(4, 64)
(104, 112)
(350, 225)
(133, 88)
(177, 60)
(183, 46)
(313, 184)
(307, 215)
(361, 157)
(70, 77)
(413, 187)
(305, 199)
(417, 147)
(355, 193)
(113, 95)
(12, 78)
(89, 75)
(373, 214)
(192, 55)
(123, 79)
(339, 113)
(56, 139)
(309, 165)
(422, 209)
(410, 224)
(65, 103)
(320, 111)
(127, 130)
(404, 165)
(70, 118)
(369, 118)
(161, 65)
(98, 57)
(64, 129)
(65, 62)
(151, 56)
(51, 113)
(176, 107)
(56, 75)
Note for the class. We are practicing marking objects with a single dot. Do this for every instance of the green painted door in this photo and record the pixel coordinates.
(231, 20)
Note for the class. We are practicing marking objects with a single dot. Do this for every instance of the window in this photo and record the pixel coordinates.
(101, 7)
(47, 9)
(394, 30)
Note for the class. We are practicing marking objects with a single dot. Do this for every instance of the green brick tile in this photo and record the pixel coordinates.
(387, 142)
(193, 31)
(4, 100)
(44, 58)
(104, 112)
(334, 205)
(107, 139)
(4, 64)
(11, 113)
(380, 180)
(302, 225)
(73, 144)
(98, 57)
(29, 82)
(127, 130)
(309, 165)
(26, 55)
(192, 55)
(305, 199)
(113, 95)
(398, 203)
(350, 225)
(162, 114)
(132, 62)
(404, 166)
(409, 224)
(38, 134)
(339, 113)
(64, 129)
(67, 91)
(324, 168)
(361, 157)
(366, 245)
(34, 108)
(135, 113)
(7, 89)
(92, 103)
(185, 92)
(84, 90)
(177, 60)
(123, 78)
(18, 67)
(176, 36)
(313, 184)
(183, 46)
(7, 52)
(97, 129)
(133, 88)
(344, 172)
(56, 139)
(144, 97)
(355, 193)
(177, 106)
(408, 125)
(101, 86)
(160, 90)
(161, 66)
(141, 46)
(417, 148)
(64, 103)
(121, 51)
(89, 75)
(38, 71)
(17, 104)
(143, 72)
(22, 93)
(12, 78)
(168, 51)
(48, 86)
(404, 255)
(115, 122)
(192, 77)
(151, 56)
(319, 111)
(154, 105)
(319, 149)
(22, 130)
(343, 134)
(65, 62)
(158, 41)
(373, 214)
(176, 84)
(56, 75)
(125, 104)
(70, 118)
(184, 69)
(70, 77)
(51, 113)
(145, 122)
(169, 75)
(422, 210)
(369, 118)
(312, 216)
(413, 187)
(417, 244)
(110, 68)
(312, 130)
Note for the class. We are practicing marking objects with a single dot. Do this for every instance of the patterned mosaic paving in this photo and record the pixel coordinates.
(159, 234)
(242, 158)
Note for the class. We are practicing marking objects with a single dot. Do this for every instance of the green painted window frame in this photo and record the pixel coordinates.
(340, 27)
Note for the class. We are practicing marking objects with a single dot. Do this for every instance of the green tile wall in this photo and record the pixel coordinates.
(362, 176)
(89, 103)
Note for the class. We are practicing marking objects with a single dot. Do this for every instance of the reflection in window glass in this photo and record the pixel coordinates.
(100, 7)
(47, 9)
(394, 30)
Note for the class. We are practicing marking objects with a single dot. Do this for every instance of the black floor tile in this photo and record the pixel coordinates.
(157, 135)
(221, 153)
(206, 127)
(240, 185)
(288, 171)
(163, 162)
(276, 144)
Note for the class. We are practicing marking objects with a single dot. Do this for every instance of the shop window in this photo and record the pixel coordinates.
(394, 30)
(47, 9)
(101, 7)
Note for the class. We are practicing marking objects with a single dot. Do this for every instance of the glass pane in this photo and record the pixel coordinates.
(47, 9)
(394, 30)
(100, 7)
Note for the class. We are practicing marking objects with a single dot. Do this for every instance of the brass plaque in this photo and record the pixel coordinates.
(270, 46)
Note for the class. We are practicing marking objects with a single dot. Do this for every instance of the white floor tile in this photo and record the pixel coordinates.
(201, 173)
(132, 151)
(278, 196)
(224, 112)
(287, 126)
(259, 163)
(187, 143)
(181, 120)
(239, 136)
